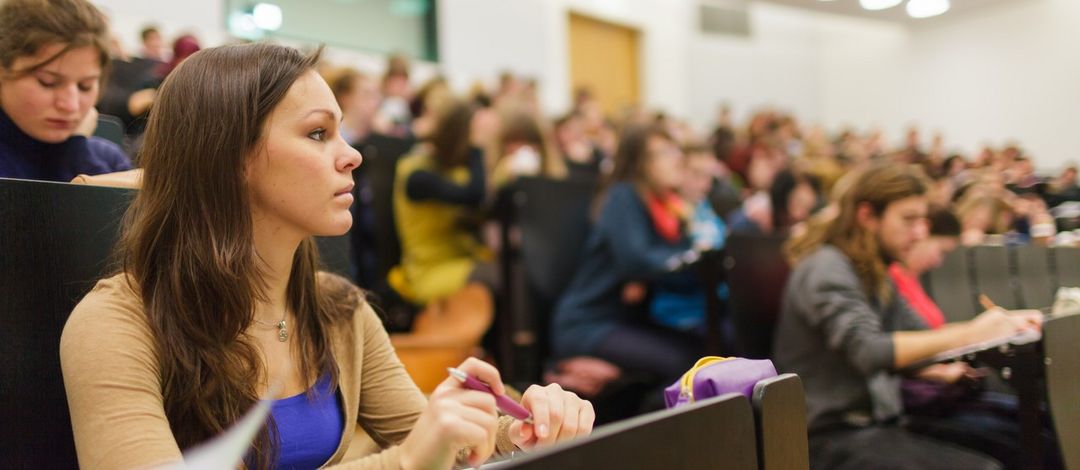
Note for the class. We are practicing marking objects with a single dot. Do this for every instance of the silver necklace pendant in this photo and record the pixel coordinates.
(282, 334)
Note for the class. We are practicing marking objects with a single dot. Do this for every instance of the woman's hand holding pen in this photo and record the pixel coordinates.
(455, 418)
(997, 322)
(557, 415)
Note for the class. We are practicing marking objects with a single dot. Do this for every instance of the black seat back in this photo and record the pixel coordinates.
(952, 288)
(994, 277)
(1062, 357)
(1067, 266)
(55, 240)
(1034, 273)
(110, 128)
(756, 272)
(552, 218)
(376, 248)
(780, 413)
(376, 175)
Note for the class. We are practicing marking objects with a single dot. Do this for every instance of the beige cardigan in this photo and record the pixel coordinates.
(114, 390)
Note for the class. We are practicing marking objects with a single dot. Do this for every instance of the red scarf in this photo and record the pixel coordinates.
(909, 287)
(668, 211)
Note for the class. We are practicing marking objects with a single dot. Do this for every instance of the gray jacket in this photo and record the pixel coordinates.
(840, 342)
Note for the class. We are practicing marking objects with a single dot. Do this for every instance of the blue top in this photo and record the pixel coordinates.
(678, 301)
(309, 428)
(24, 157)
(622, 247)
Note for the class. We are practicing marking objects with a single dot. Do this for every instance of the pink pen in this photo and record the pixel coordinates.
(503, 402)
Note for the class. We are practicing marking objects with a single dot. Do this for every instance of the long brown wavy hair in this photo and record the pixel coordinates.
(877, 186)
(187, 244)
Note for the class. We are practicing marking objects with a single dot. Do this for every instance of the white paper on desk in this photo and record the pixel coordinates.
(227, 451)
(1017, 339)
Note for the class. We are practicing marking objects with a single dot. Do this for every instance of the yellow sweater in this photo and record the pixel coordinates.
(437, 253)
(113, 385)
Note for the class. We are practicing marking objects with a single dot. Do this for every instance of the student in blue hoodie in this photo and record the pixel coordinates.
(53, 56)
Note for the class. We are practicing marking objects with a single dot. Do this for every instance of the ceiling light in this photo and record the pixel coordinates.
(879, 4)
(267, 16)
(927, 8)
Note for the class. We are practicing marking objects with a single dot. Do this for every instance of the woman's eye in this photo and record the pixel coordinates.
(46, 83)
(318, 134)
(86, 87)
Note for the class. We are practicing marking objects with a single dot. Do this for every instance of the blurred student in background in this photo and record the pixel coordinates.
(53, 58)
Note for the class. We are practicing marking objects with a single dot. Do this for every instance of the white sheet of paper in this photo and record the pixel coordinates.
(227, 451)
(1021, 338)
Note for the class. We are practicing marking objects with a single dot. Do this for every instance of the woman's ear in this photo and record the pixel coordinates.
(865, 216)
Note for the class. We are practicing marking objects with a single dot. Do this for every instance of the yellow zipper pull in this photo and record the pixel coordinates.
(686, 388)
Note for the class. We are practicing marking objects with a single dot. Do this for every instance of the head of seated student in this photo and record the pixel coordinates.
(53, 58)
(358, 96)
(649, 159)
(395, 81)
(701, 171)
(954, 165)
(794, 196)
(571, 140)
(981, 214)
(183, 47)
(153, 45)
(425, 107)
(457, 126)
(243, 163)
(944, 237)
(1067, 179)
(523, 147)
(880, 219)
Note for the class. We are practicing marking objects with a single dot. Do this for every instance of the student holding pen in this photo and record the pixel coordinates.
(217, 297)
(846, 332)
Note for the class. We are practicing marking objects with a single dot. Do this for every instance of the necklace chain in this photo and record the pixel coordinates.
(283, 332)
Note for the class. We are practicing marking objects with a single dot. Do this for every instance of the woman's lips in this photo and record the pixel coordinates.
(60, 123)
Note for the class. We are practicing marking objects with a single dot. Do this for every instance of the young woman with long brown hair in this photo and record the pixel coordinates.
(219, 299)
(846, 332)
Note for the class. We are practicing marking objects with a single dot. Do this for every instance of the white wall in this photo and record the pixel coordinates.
(478, 39)
(203, 18)
(775, 67)
(1008, 72)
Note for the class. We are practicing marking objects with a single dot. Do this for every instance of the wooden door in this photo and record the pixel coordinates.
(604, 59)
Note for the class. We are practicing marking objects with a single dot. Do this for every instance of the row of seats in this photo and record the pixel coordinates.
(1013, 277)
